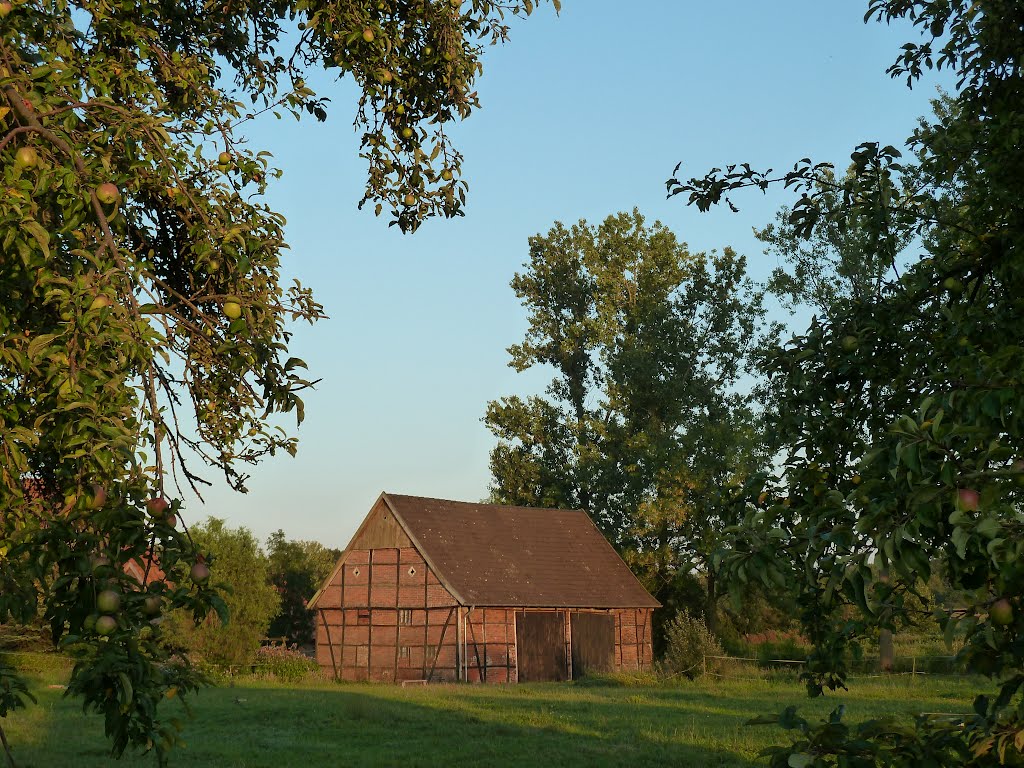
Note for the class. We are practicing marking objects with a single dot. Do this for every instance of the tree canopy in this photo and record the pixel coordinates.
(144, 325)
(903, 426)
(643, 418)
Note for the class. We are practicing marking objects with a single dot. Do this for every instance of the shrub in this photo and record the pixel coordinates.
(687, 643)
(284, 663)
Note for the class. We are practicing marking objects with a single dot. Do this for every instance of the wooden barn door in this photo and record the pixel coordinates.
(593, 643)
(540, 646)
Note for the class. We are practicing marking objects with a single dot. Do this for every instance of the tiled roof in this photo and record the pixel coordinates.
(496, 555)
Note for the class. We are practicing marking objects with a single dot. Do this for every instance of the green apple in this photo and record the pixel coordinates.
(232, 310)
(446, 175)
(99, 302)
(224, 158)
(850, 343)
(151, 605)
(105, 625)
(108, 601)
(26, 157)
(368, 35)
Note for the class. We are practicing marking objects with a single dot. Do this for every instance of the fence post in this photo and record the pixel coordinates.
(913, 668)
(704, 664)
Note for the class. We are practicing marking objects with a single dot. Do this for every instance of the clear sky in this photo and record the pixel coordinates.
(584, 114)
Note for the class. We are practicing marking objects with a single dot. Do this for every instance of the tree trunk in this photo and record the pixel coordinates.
(886, 651)
(7, 748)
(711, 605)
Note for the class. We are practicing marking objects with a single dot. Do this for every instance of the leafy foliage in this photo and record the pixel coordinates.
(688, 643)
(297, 569)
(903, 431)
(143, 322)
(642, 425)
(243, 571)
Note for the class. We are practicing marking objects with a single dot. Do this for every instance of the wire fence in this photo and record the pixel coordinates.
(750, 667)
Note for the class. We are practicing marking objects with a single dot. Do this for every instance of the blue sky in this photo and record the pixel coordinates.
(584, 114)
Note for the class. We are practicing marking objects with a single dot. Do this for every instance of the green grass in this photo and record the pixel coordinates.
(607, 723)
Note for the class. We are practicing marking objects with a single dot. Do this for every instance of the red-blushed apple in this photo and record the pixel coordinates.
(108, 601)
(99, 496)
(26, 157)
(1001, 612)
(105, 625)
(967, 499)
(157, 507)
(232, 310)
(107, 193)
(5, 8)
(410, 199)
(368, 35)
(200, 573)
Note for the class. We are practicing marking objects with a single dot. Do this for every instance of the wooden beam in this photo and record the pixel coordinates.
(327, 629)
(440, 643)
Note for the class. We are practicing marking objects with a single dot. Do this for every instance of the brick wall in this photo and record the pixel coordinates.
(386, 616)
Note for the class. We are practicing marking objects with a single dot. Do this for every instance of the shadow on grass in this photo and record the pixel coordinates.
(261, 725)
(274, 727)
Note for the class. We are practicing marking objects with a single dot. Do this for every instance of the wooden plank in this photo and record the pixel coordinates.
(540, 646)
(481, 670)
(369, 642)
(380, 530)
(593, 643)
(398, 615)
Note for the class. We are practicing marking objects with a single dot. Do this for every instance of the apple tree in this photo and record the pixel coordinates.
(144, 326)
(904, 426)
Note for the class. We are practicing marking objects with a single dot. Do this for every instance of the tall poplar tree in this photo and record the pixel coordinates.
(646, 413)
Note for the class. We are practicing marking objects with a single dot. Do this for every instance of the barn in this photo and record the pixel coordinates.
(438, 590)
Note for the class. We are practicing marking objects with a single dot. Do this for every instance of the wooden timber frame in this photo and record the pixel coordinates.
(388, 614)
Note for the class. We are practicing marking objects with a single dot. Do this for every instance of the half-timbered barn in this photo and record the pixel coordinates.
(439, 590)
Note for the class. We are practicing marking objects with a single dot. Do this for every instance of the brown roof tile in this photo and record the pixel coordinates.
(511, 556)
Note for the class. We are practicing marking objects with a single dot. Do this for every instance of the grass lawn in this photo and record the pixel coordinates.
(269, 725)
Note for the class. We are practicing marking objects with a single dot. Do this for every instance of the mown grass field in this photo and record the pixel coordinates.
(270, 725)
